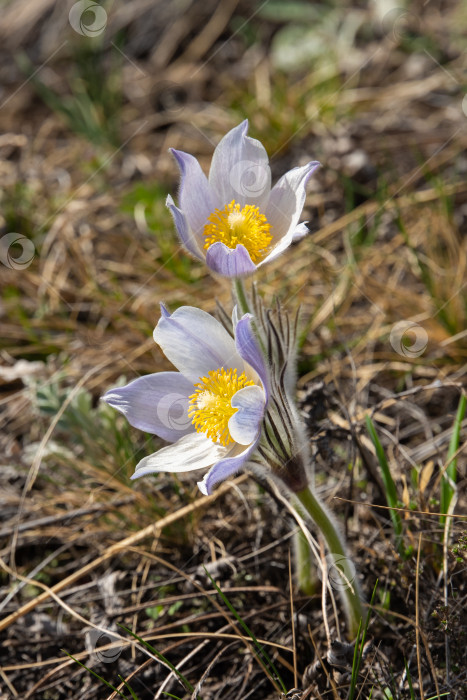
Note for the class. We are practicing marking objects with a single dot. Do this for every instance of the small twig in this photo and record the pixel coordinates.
(295, 673)
(207, 671)
(173, 673)
(417, 621)
(401, 510)
(8, 683)
(67, 515)
(136, 670)
(323, 665)
(324, 587)
(447, 528)
(34, 573)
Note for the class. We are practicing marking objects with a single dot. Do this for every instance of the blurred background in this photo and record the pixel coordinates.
(92, 95)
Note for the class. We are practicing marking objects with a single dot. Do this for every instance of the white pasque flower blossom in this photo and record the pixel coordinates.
(234, 221)
(211, 409)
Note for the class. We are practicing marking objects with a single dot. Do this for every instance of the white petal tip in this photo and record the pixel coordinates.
(202, 488)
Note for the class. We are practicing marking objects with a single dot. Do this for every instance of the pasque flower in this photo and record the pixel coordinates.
(211, 409)
(226, 407)
(234, 220)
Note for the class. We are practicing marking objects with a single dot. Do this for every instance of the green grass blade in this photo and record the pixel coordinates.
(127, 686)
(263, 655)
(160, 656)
(389, 485)
(96, 675)
(359, 646)
(449, 478)
(409, 680)
(355, 664)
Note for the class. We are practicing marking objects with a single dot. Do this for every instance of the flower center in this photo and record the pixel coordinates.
(233, 225)
(210, 406)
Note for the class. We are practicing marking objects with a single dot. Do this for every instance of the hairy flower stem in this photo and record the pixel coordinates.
(349, 590)
(305, 569)
(241, 296)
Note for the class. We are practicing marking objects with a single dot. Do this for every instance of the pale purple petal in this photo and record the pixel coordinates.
(285, 206)
(156, 403)
(196, 199)
(297, 234)
(164, 310)
(191, 452)
(234, 317)
(225, 468)
(240, 169)
(248, 348)
(245, 424)
(196, 343)
(300, 231)
(229, 262)
(186, 235)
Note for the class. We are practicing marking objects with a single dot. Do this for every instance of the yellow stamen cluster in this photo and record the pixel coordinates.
(233, 225)
(210, 405)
